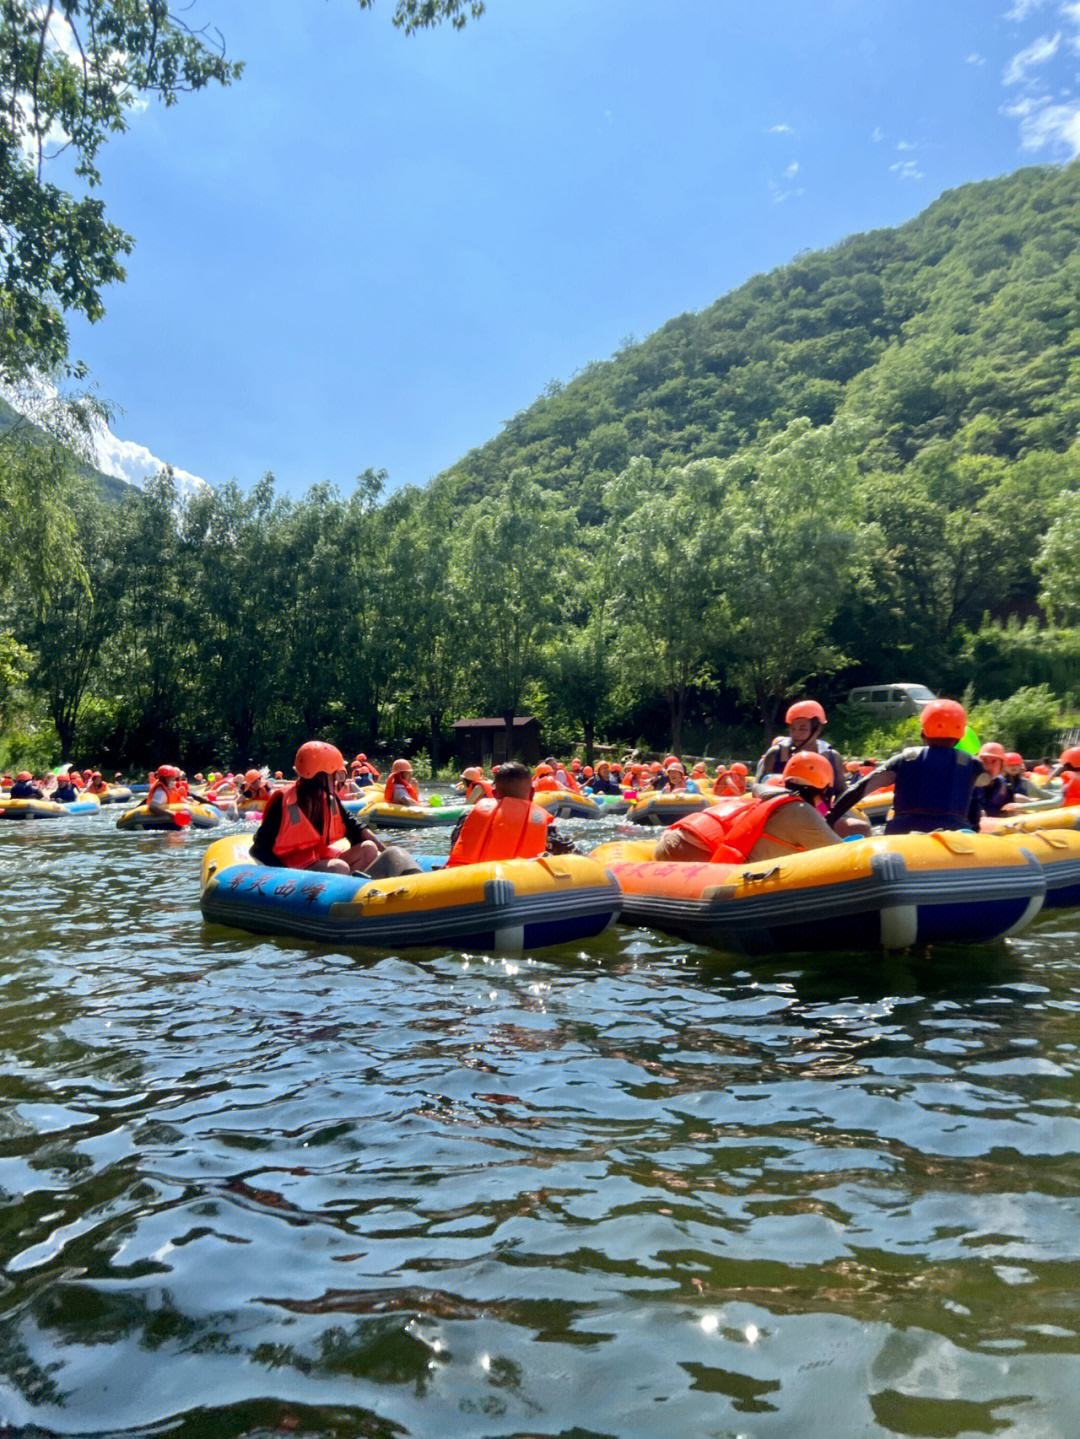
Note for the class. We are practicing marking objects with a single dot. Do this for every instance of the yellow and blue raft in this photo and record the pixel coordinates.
(512, 905)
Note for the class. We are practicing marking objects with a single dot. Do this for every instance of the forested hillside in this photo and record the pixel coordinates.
(862, 466)
(961, 326)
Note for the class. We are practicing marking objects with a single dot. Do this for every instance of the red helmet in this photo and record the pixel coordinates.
(805, 709)
(670, 759)
(167, 771)
(807, 768)
(317, 756)
(944, 719)
(1013, 758)
(738, 768)
(1071, 756)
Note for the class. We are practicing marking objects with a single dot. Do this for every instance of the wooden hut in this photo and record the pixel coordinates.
(483, 741)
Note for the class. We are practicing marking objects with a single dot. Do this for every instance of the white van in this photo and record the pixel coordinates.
(891, 701)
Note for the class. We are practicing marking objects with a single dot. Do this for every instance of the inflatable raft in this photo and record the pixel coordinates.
(203, 816)
(47, 808)
(565, 804)
(879, 893)
(664, 809)
(514, 905)
(380, 815)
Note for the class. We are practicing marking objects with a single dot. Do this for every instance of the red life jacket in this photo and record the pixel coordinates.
(730, 830)
(407, 784)
(1070, 788)
(483, 785)
(546, 782)
(501, 829)
(298, 842)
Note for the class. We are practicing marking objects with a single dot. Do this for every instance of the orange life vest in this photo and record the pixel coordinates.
(407, 784)
(98, 787)
(501, 829)
(483, 785)
(730, 831)
(173, 793)
(298, 842)
(729, 784)
(1070, 788)
(546, 782)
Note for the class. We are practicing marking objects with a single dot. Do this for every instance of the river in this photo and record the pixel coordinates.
(257, 1188)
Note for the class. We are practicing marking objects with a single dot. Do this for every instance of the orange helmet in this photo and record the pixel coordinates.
(278, 774)
(670, 759)
(738, 768)
(1012, 757)
(167, 771)
(1070, 756)
(805, 709)
(317, 756)
(588, 771)
(542, 769)
(944, 719)
(401, 766)
(992, 755)
(252, 776)
(24, 775)
(809, 769)
(472, 774)
(655, 766)
(699, 768)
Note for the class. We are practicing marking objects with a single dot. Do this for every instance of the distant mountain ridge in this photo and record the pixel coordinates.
(962, 325)
(110, 486)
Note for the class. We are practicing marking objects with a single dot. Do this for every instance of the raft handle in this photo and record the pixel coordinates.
(750, 878)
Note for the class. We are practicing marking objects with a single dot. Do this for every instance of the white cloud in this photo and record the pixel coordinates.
(1044, 126)
(1024, 61)
(780, 130)
(903, 145)
(975, 58)
(1021, 9)
(792, 170)
(907, 170)
(40, 402)
(128, 460)
(877, 134)
(780, 194)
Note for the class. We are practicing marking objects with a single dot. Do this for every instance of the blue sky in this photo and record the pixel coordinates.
(375, 249)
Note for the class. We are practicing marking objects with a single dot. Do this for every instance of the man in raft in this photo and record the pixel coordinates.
(303, 822)
(933, 783)
(805, 720)
(509, 826)
(400, 787)
(474, 786)
(777, 824)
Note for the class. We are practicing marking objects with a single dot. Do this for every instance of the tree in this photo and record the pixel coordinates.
(70, 72)
(512, 563)
(414, 15)
(663, 556)
(790, 548)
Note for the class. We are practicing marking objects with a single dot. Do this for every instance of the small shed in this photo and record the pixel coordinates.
(483, 741)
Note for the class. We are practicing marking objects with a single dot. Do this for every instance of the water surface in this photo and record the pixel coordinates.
(254, 1187)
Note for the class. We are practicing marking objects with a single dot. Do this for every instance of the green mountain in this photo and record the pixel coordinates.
(962, 325)
(109, 486)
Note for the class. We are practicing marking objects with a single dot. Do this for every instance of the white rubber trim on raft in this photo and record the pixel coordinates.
(899, 926)
(512, 938)
(1034, 905)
